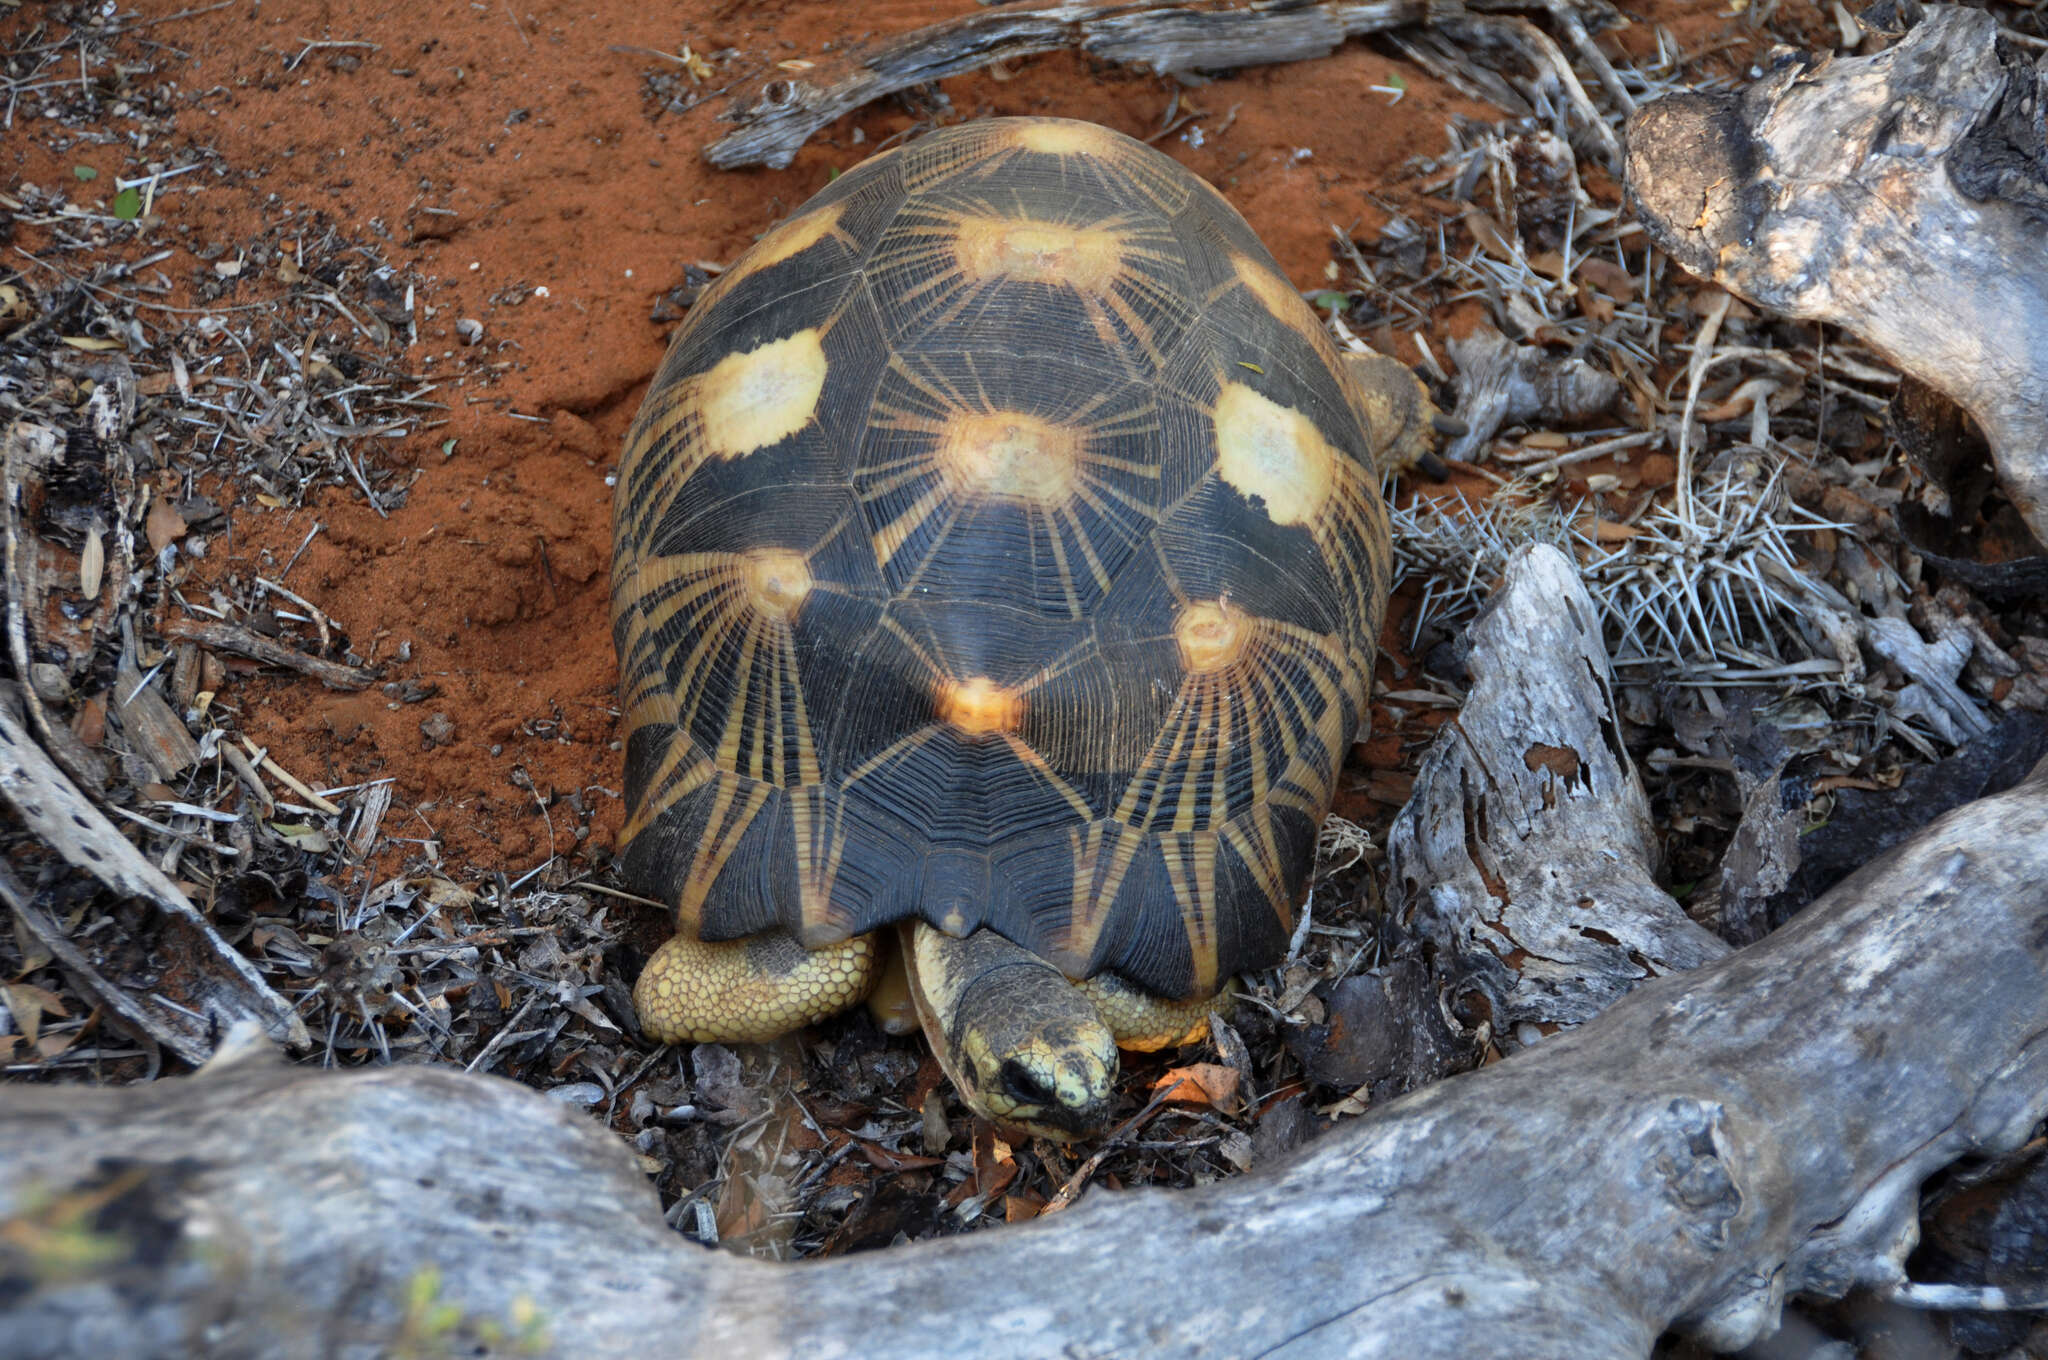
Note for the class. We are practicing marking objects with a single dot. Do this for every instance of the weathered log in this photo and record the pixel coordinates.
(1165, 36)
(1527, 854)
(1711, 1143)
(1903, 196)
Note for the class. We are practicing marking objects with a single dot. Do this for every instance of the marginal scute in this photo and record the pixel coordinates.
(784, 243)
(1273, 454)
(1274, 293)
(761, 397)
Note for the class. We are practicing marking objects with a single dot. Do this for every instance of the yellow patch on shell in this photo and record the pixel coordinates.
(748, 991)
(1065, 138)
(762, 396)
(1274, 293)
(1212, 634)
(1274, 454)
(1011, 455)
(793, 238)
(777, 580)
(979, 706)
(1031, 251)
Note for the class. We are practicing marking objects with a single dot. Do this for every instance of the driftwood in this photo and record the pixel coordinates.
(1707, 1145)
(1902, 195)
(1166, 36)
(1527, 853)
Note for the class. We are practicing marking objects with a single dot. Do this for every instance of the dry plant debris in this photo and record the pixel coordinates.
(1731, 487)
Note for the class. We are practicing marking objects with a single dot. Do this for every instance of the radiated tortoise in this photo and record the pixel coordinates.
(999, 557)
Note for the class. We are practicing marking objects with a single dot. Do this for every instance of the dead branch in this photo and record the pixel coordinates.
(1166, 36)
(219, 986)
(1902, 195)
(1527, 852)
(1709, 1144)
(228, 637)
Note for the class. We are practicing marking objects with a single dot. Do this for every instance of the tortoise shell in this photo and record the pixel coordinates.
(999, 543)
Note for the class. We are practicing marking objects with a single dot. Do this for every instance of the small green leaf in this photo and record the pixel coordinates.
(128, 204)
(447, 448)
(831, 173)
(1253, 367)
(1394, 79)
(86, 174)
(1331, 298)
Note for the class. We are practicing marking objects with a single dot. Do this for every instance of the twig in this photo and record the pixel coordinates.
(289, 780)
(230, 637)
(1071, 1191)
(316, 45)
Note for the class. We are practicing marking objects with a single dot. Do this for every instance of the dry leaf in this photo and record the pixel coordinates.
(91, 343)
(34, 953)
(89, 724)
(1200, 1084)
(1022, 1206)
(28, 1016)
(165, 525)
(1488, 234)
(92, 565)
(1609, 277)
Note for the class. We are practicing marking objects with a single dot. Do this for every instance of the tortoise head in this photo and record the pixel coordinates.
(1022, 1044)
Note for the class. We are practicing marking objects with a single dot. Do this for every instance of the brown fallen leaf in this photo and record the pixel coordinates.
(1200, 1084)
(1609, 277)
(165, 525)
(1021, 1206)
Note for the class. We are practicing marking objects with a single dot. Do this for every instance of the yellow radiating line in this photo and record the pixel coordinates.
(712, 627)
(1096, 885)
(1201, 720)
(664, 790)
(1219, 755)
(721, 836)
(1193, 876)
(1029, 755)
(1258, 846)
(1085, 544)
(736, 711)
(889, 540)
(1048, 521)
(921, 465)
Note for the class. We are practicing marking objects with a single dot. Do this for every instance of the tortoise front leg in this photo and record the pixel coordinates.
(751, 990)
(1145, 1023)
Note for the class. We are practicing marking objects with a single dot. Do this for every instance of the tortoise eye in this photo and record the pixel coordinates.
(1023, 1087)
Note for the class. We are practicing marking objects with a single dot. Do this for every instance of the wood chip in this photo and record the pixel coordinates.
(153, 732)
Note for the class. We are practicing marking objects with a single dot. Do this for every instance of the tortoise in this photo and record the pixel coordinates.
(998, 563)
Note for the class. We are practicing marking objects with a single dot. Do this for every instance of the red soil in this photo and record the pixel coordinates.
(534, 128)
